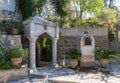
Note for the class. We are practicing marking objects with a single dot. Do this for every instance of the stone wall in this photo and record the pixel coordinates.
(10, 40)
(68, 42)
(70, 38)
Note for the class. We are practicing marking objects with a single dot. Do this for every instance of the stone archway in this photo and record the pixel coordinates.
(34, 27)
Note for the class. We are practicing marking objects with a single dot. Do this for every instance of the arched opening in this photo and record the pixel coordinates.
(88, 41)
(43, 50)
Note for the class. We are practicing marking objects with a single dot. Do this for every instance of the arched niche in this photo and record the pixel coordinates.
(43, 50)
(35, 27)
(87, 50)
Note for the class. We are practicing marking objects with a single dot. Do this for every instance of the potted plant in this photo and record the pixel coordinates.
(10, 26)
(62, 55)
(105, 55)
(74, 55)
(16, 54)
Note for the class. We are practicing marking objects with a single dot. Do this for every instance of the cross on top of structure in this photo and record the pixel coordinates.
(37, 12)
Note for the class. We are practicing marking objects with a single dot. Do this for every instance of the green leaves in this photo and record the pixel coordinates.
(4, 62)
(106, 54)
(74, 54)
(16, 52)
(59, 6)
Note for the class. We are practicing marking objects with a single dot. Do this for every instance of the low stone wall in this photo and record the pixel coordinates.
(7, 75)
(71, 38)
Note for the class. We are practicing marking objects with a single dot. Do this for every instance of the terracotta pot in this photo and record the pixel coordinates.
(73, 63)
(104, 62)
(62, 62)
(14, 31)
(16, 61)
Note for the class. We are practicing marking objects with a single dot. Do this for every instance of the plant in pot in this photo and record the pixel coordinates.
(14, 27)
(62, 55)
(16, 54)
(10, 26)
(74, 55)
(105, 55)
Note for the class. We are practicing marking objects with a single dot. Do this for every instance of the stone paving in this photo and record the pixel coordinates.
(111, 74)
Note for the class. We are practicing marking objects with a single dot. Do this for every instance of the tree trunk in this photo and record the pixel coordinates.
(81, 13)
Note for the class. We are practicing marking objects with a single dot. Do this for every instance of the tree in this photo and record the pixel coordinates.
(25, 7)
(89, 6)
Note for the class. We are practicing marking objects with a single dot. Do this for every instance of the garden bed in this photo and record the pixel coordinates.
(13, 74)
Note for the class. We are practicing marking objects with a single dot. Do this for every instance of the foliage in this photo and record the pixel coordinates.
(110, 35)
(25, 7)
(4, 61)
(106, 54)
(39, 4)
(8, 24)
(89, 6)
(46, 49)
(59, 6)
(62, 51)
(16, 52)
(74, 54)
(108, 15)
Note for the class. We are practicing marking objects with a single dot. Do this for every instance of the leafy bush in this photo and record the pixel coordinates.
(106, 54)
(74, 54)
(4, 61)
(16, 52)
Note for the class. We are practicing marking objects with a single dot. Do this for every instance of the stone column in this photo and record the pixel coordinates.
(54, 51)
(32, 51)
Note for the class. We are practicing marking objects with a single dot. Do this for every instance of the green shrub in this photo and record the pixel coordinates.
(16, 52)
(106, 54)
(74, 54)
(4, 61)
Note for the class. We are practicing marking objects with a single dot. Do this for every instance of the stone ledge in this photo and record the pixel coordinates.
(7, 75)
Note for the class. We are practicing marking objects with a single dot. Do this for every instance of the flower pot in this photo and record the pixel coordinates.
(62, 62)
(14, 31)
(16, 61)
(73, 63)
(104, 62)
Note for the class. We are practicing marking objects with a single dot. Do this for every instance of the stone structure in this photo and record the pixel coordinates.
(8, 10)
(74, 38)
(87, 50)
(70, 38)
(34, 27)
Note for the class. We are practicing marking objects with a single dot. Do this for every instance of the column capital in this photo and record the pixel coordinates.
(32, 39)
(55, 39)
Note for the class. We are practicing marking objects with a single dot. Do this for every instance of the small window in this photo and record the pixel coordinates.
(88, 41)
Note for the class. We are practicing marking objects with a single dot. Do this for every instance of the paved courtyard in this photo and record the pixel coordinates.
(111, 74)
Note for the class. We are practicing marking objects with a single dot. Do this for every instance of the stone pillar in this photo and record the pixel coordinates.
(54, 51)
(32, 51)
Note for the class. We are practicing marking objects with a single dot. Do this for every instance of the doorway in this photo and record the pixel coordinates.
(43, 50)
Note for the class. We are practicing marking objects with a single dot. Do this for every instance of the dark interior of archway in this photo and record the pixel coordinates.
(43, 51)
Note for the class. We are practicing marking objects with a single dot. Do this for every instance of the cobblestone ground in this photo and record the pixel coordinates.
(111, 74)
